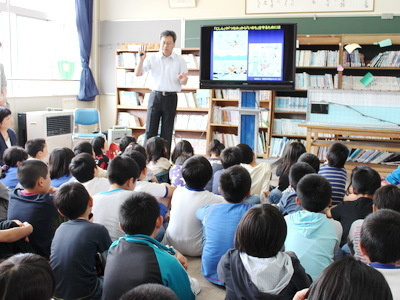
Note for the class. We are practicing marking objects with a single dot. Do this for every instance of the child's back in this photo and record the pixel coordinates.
(13, 156)
(230, 156)
(137, 258)
(220, 220)
(76, 244)
(311, 235)
(34, 204)
(334, 171)
(184, 231)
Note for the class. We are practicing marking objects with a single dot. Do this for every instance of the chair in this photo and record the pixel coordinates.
(86, 124)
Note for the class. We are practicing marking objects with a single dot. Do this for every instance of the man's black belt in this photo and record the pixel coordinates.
(165, 93)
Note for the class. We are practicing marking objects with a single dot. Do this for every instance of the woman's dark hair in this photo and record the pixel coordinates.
(349, 279)
(261, 232)
(181, 147)
(4, 112)
(26, 276)
(155, 149)
(59, 161)
(98, 144)
(215, 147)
(291, 156)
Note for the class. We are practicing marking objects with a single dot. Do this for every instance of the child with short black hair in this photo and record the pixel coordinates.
(230, 156)
(184, 231)
(162, 191)
(99, 145)
(175, 173)
(34, 204)
(214, 152)
(386, 197)
(84, 169)
(59, 161)
(26, 276)
(333, 170)
(256, 268)
(311, 159)
(287, 204)
(311, 235)
(365, 182)
(221, 220)
(380, 244)
(37, 148)
(139, 251)
(150, 291)
(260, 173)
(86, 147)
(76, 244)
(12, 157)
(123, 172)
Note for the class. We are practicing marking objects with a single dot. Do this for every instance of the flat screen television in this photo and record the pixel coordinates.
(249, 57)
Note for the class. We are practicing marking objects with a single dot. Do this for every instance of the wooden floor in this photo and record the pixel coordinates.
(209, 291)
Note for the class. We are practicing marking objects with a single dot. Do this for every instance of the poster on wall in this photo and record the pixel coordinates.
(303, 6)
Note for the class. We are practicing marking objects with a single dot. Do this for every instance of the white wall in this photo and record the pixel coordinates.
(212, 9)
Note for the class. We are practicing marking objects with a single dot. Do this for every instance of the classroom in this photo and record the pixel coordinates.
(269, 91)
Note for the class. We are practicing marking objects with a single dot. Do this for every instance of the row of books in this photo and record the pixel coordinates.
(386, 59)
(320, 58)
(291, 104)
(227, 94)
(127, 78)
(353, 59)
(200, 99)
(229, 140)
(192, 61)
(279, 146)
(379, 83)
(373, 156)
(191, 122)
(289, 127)
(222, 115)
(306, 81)
(199, 145)
(129, 119)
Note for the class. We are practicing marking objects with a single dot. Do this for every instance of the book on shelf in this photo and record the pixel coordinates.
(264, 118)
(379, 83)
(306, 81)
(128, 119)
(227, 94)
(292, 104)
(263, 95)
(191, 61)
(289, 127)
(185, 99)
(129, 79)
(320, 58)
(203, 98)
(322, 152)
(229, 140)
(370, 156)
(127, 59)
(262, 142)
(130, 98)
(353, 59)
(279, 146)
(222, 115)
(386, 59)
(191, 121)
(193, 82)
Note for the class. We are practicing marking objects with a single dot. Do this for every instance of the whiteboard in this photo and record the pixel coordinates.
(358, 108)
(296, 6)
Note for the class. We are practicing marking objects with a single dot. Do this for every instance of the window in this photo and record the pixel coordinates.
(40, 49)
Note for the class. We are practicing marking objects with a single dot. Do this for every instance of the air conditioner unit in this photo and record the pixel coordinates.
(54, 126)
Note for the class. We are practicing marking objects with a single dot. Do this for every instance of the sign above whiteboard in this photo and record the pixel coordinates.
(296, 6)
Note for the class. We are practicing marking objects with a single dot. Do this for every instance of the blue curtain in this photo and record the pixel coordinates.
(84, 14)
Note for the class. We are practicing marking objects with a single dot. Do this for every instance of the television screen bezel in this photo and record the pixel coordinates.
(289, 60)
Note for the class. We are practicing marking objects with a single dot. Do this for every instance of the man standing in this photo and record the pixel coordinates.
(169, 72)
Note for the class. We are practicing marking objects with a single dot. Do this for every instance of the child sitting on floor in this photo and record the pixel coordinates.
(59, 161)
(37, 149)
(12, 157)
(157, 158)
(257, 268)
(221, 220)
(99, 145)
